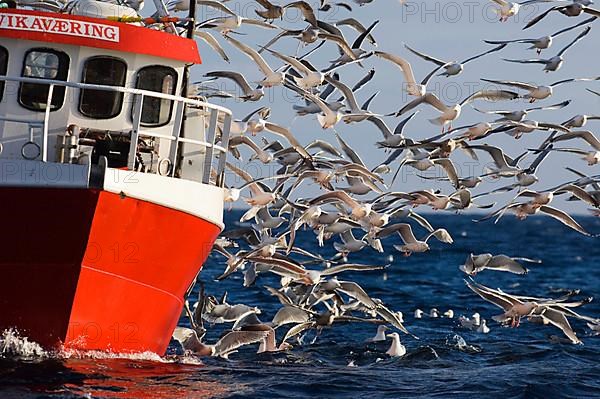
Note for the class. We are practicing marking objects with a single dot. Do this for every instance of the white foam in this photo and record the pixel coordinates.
(12, 344)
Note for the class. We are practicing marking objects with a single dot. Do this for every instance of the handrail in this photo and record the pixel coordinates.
(137, 131)
(120, 89)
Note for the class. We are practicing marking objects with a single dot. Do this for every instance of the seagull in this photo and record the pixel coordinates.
(536, 92)
(515, 308)
(396, 349)
(391, 139)
(411, 244)
(249, 94)
(263, 156)
(580, 120)
(380, 336)
(452, 112)
(523, 210)
(260, 197)
(272, 11)
(224, 25)
(272, 78)
(470, 323)
(483, 328)
(477, 263)
(213, 43)
(224, 347)
(517, 116)
(554, 63)
(574, 9)
(330, 116)
(358, 210)
(310, 76)
(509, 9)
(452, 68)
(543, 42)
(585, 135)
(418, 314)
(412, 87)
(591, 157)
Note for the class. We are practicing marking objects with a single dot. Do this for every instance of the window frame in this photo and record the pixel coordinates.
(3, 50)
(175, 74)
(64, 62)
(120, 94)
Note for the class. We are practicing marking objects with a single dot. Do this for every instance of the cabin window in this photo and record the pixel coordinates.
(102, 104)
(156, 111)
(43, 64)
(3, 68)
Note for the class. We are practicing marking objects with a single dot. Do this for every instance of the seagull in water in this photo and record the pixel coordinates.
(396, 348)
(380, 336)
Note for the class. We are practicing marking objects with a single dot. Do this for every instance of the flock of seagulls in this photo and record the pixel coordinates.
(355, 208)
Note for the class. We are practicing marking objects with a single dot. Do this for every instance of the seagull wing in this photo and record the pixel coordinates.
(579, 193)
(587, 21)
(539, 17)
(520, 85)
(235, 76)
(307, 11)
(349, 267)
(401, 63)
(349, 151)
(558, 319)
(290, 314)
(506, 263)
(497, 298)
(334, 196)
(583, 134)
(281, 131)
(216, 4)
(497, 48)
(213, 43)
(491, 95)
(361, 38)
(406, 233)
(578, 38)
(296, 64)
(341, 42)
(450, 170)
(357, 26)
(564, 218)
(254, 187)
(426, 57)
(250, 52)
(236, 339)
(355, 291)
(348, 94)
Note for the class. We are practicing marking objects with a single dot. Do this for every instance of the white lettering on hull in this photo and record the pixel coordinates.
(60, 26)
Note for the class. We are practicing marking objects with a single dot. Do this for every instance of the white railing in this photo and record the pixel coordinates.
(137, 130)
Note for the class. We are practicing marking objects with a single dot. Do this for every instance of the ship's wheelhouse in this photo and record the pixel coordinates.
(104, 95)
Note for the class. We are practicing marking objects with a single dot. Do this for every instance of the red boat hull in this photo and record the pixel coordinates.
(93, 270)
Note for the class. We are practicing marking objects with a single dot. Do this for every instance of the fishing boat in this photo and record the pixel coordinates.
(111, 177)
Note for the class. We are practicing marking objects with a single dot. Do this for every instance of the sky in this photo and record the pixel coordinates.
(449, 30)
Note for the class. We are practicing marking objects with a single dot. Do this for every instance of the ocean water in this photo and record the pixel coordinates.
(446, 362)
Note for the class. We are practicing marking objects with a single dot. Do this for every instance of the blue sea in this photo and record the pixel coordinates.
(446, 361)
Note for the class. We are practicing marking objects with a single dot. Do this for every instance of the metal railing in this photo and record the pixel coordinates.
(137, 131)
